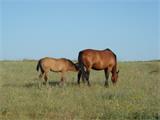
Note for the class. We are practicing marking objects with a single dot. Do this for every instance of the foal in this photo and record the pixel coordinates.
(61, 65)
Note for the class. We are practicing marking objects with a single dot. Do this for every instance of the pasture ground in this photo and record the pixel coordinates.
(136, 95)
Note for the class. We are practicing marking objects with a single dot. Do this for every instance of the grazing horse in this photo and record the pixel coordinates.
(98, 60)
(61, 65)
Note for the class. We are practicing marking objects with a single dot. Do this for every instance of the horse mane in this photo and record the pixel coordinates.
(108, 49)
(112, 52)
(70, 61)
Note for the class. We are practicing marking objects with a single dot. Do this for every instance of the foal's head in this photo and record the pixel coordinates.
(73, 66)
(77, 66)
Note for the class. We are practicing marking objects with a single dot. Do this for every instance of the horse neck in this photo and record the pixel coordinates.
(73, 68)
(114, 70)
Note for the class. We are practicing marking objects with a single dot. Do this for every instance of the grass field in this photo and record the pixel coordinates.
(136, 95)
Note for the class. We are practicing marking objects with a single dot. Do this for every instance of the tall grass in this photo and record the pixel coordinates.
(136, 95)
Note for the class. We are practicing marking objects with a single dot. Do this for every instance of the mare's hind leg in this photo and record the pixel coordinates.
(79, 77)
(87, 75)
(83, 79)
(107, 76)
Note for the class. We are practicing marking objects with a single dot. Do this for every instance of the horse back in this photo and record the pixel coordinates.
(53, 64)
(57, 65)
(98, 59)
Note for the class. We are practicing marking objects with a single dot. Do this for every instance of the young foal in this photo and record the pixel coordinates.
(61, 65)
(98, 60)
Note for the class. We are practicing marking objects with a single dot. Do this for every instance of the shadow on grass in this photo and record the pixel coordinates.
(53, 83)
(30, 85)
(11, 85)
(26, 85)
(36, 84)
(58, 83)
(154, 71)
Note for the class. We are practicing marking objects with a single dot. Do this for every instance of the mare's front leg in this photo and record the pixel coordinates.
(107, 76)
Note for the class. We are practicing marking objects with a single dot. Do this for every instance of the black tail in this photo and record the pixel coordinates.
(38, 65)
(81, 65)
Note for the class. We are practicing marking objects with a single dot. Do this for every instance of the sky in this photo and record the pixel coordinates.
(32, 29)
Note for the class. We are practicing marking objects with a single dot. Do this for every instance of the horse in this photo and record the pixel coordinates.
(98, 60)
(61, 65)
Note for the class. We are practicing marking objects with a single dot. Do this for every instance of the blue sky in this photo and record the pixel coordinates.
(32, 29)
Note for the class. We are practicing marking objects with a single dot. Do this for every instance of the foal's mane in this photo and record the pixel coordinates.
(72, 63)
(69, 61)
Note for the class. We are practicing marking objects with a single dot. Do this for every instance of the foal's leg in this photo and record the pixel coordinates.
(62, 78)
(107, 76)
(40, 78)
(46, 79)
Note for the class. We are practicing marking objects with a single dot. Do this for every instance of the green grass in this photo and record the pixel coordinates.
(136, 95)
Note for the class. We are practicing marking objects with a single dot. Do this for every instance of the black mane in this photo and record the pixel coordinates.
(108, 49)
(112, 52)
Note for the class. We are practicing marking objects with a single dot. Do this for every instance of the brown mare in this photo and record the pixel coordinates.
(98, 60)
(61, 65)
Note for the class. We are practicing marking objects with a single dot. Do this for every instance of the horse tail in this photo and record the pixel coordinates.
(38, 65)
(81, 65)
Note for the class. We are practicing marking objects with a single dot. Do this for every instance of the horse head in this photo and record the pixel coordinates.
(114, 77)
(77, 66)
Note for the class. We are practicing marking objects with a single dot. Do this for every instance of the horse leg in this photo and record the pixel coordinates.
(46, 79)
(41, 75)
(79, 77)
(40, 79)
(107, 76)
(83, 79)
(87, 75)
(62, 78)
